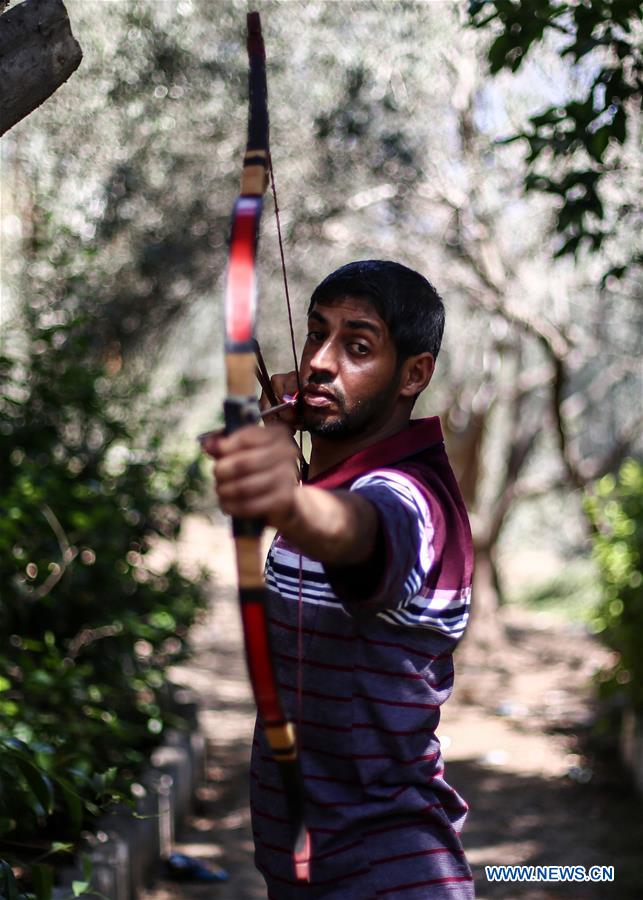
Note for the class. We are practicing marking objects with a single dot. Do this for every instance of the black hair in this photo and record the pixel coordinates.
(404, 299)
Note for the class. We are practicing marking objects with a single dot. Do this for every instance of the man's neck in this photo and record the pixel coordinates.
(328, 452)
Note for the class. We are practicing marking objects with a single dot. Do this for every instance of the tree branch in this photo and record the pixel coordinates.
(38, 53)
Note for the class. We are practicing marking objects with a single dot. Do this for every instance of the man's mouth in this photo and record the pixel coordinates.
(318, 397)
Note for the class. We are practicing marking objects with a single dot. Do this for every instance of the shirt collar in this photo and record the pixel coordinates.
(420, 434)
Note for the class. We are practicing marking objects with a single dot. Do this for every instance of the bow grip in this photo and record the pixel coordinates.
(238, 412)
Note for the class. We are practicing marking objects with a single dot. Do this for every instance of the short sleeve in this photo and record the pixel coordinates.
(403, 554)
(395, 582)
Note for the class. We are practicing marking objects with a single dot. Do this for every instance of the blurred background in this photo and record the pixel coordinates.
(493, 146)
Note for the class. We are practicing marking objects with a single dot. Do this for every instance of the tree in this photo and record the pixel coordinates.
(38, 53)
(384, 145)
(555, 386)
(616, 509)
(91, 624)
(581, 148)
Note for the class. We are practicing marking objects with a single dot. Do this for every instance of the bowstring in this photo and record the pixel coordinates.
(273, 187)
(303, 466)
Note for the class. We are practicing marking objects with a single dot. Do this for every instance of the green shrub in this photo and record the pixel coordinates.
(89, 624)
(616, 511)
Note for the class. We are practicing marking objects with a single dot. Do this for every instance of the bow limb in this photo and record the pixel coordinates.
(241, 408)
(262, 376)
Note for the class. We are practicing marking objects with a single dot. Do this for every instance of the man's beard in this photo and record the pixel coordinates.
(348, 423)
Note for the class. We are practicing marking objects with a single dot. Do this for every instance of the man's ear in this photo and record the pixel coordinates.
(416, 374)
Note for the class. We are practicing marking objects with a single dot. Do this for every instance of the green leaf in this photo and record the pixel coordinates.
(80, 887)
(73, 802)
(38, 782)
(60, 847)
(598, 142)
(43, 881)
(497, 53)
(8, 886)
(619, 125)
(6, 824)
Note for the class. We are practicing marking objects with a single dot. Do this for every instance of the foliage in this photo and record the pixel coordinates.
(91, 622)
(383, 130)
(41, 878)
(143, 149)
(570, 593)
(616, 509)
(581, 141)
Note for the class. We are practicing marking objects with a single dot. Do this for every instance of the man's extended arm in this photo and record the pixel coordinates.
(255, 472)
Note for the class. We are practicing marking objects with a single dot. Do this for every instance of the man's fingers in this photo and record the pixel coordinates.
(210, 440)
(254, 436)
(245, 462)
(287, 416)
(255, 470)
(284, 384)
(258, 488)
(217, 443)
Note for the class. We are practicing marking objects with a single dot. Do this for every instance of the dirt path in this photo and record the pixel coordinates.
(517, 728)
(513, 738)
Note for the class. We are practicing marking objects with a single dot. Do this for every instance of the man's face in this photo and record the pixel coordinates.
(348, 369)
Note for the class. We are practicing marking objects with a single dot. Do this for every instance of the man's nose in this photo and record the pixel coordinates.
(325, 358)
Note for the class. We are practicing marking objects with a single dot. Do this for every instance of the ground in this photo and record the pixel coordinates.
(514, 736)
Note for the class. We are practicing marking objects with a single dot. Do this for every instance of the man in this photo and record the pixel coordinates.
(370, 580)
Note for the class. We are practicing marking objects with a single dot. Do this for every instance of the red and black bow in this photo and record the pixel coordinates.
(241, 408)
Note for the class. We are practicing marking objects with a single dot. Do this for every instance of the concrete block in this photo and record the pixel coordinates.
(127, 843)
(197, 751)
(175, 760)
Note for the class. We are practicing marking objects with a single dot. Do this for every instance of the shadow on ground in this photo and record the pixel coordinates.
(515, 740)
(528, 820)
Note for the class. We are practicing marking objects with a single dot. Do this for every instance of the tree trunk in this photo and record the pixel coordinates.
(485, 637)
(464, 443)
(38, 53)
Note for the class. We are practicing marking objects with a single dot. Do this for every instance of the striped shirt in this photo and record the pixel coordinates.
(364, 663)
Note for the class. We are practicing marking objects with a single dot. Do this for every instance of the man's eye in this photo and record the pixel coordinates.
(359, 348)
(315, 336)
